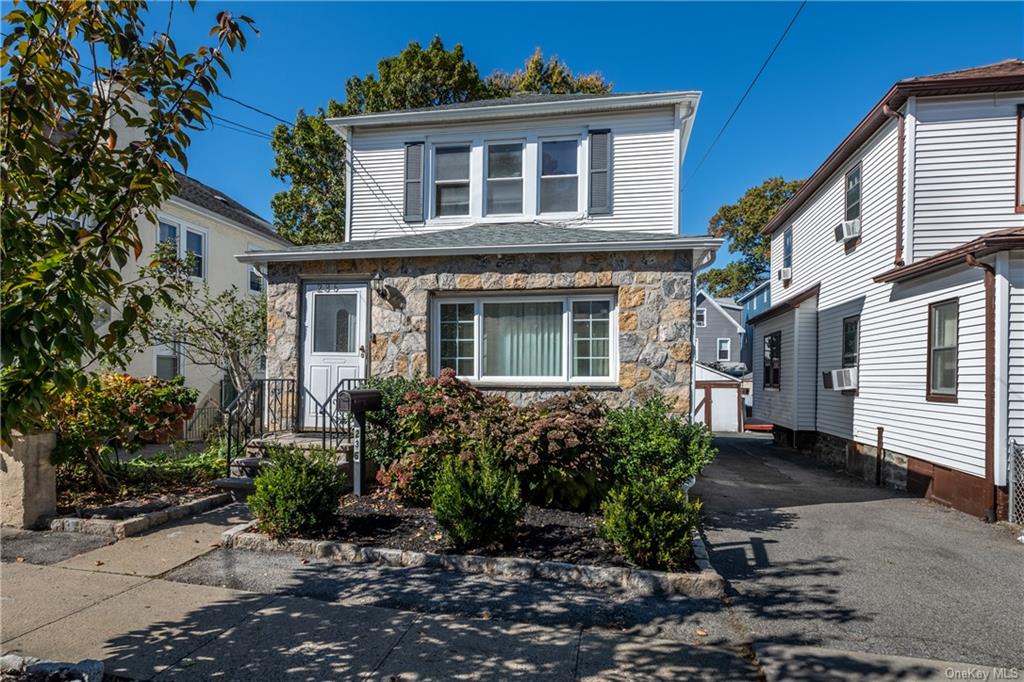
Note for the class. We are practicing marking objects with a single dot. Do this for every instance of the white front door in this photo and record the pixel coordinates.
(334, 346)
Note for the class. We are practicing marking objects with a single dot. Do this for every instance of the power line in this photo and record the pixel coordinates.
(750, 87)
(254, 108)
(254, 131)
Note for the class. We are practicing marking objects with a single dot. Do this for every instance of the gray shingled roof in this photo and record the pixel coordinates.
(530, 98)
(489, 235)
(204, 196)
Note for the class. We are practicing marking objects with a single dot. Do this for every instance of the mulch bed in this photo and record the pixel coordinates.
(544, 534)
(126, 504)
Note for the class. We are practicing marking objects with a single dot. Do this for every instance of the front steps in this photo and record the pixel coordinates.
(240, 484)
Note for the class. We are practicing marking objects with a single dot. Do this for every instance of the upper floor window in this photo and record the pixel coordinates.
(504, 178)
(700, 317)
(851, 341)
(853, 194)
(195, 245)
(559, 176)
(724, 350)
(168, 234)
(451, 181)
(787, 248)
(943, 323)
(168, 361)
(1020, 159)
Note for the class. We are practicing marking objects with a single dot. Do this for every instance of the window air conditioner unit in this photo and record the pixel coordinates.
(840, 379)
(848, 230)
(785, 274)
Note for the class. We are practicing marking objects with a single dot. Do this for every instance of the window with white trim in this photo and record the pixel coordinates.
(534, 339)
(787, 248)
(851, 341)
(451, 180)
(700, 317)
(559, 176)
(168, 361)
(724, 350)
(504, 186)
(255, 280)
(853, 194)
(195, 246)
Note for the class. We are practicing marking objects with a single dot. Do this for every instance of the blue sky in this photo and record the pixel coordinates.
(837, 61)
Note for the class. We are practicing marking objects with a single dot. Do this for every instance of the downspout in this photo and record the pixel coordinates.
(990, 381)
(901, 121)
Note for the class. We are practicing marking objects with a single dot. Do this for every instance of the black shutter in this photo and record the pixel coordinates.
(600, 172)
(413, 208)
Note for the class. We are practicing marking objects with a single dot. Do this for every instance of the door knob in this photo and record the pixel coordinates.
(362, 351)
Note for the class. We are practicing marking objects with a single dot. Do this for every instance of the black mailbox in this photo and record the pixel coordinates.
(359, 400)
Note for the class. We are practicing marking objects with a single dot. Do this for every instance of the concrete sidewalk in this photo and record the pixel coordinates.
(114, 603)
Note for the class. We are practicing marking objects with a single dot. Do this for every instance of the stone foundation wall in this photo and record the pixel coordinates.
(653, 290)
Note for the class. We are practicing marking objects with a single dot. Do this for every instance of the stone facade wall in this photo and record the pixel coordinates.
(653, 289)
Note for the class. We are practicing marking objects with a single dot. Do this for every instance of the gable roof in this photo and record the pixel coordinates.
(718, 306)
(1004, 76)
(744, 297)
(997, 240)
(790, 303)
(202, 195)
(493, 238)
(521, 105)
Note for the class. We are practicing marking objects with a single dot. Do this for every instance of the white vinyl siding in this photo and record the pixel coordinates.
(770, 404)
(1015, 377)
(965, 167)
(644, 173)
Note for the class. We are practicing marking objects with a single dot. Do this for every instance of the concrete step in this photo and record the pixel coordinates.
(301, 440)
(240, 487)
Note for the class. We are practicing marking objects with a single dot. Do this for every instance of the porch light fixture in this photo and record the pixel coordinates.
(379, 286)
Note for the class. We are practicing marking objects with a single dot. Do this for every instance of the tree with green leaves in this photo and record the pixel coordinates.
(72, 194)
(311, 157)
(742, 223)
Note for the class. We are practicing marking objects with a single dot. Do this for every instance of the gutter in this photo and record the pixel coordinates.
(901, 137)
(674, 244)
(990, 382)
(697, 267)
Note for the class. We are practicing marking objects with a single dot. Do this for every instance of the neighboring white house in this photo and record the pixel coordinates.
(207, 222)
(530, 243)
(718, 333)
(897, 290)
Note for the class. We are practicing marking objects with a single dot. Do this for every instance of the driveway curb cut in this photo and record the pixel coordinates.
(704, 584)
(121, 529)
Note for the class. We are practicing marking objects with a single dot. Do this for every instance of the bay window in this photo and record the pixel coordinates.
(504, 185)
(451, 180)
(535, 339)
(559, 176)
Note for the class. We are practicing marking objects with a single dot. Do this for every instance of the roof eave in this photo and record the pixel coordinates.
(791, 303)
(525, 109)
(957, 256)
(676, 244)
(192, 206)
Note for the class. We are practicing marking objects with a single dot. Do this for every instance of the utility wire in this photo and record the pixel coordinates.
(750, 87)
(254, 131)
(254, 108)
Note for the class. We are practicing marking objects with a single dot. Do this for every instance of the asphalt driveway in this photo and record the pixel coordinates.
(817, 559)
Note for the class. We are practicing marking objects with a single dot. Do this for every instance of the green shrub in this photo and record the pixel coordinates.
(385, 441)
(558, 452)
(299, 493)
(650, 438)
(476, 502)
(169, 469)
(650, 522)
(111, 413)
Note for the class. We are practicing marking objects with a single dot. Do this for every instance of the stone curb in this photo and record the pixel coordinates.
(706, 583)
(120, 529)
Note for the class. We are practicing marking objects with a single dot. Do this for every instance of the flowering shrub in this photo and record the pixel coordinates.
(115, 412)
(384, 437)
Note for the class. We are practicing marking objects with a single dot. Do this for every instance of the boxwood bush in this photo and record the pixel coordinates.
(476, 501)
(650, 521)
(299, 493)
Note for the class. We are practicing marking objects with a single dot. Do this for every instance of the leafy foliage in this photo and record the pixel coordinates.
(299, 494)
(741, 223)
(650, 438)
(311, 157)
(72, 192)
(384, 436)
(558, 451)
(166, 469)
(650, 521)
(115, 412)
(226, 330)
(476, 500)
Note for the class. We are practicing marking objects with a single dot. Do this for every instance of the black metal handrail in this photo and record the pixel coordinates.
(336, 425)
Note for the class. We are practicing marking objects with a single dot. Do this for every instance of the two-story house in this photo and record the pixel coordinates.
(204, 221)
(754, 302)
(531, 244)
(718, 333)
(893, 344)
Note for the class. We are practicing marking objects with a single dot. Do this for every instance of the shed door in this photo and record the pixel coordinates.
(718, 406)
(334, 346)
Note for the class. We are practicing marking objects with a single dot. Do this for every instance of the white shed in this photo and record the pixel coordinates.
(718, 400)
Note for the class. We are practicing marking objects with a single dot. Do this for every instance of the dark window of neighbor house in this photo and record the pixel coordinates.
(700, 317)
(787, 248)
(168, 235)
(504, 185)
(458, 337)
(559, 176)
(195, 245)
(255, 280)
(168, 361)
(851, 341)
(451, 181)
(724, 350)
(943, 333)
(853, 194)
(773, 360)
